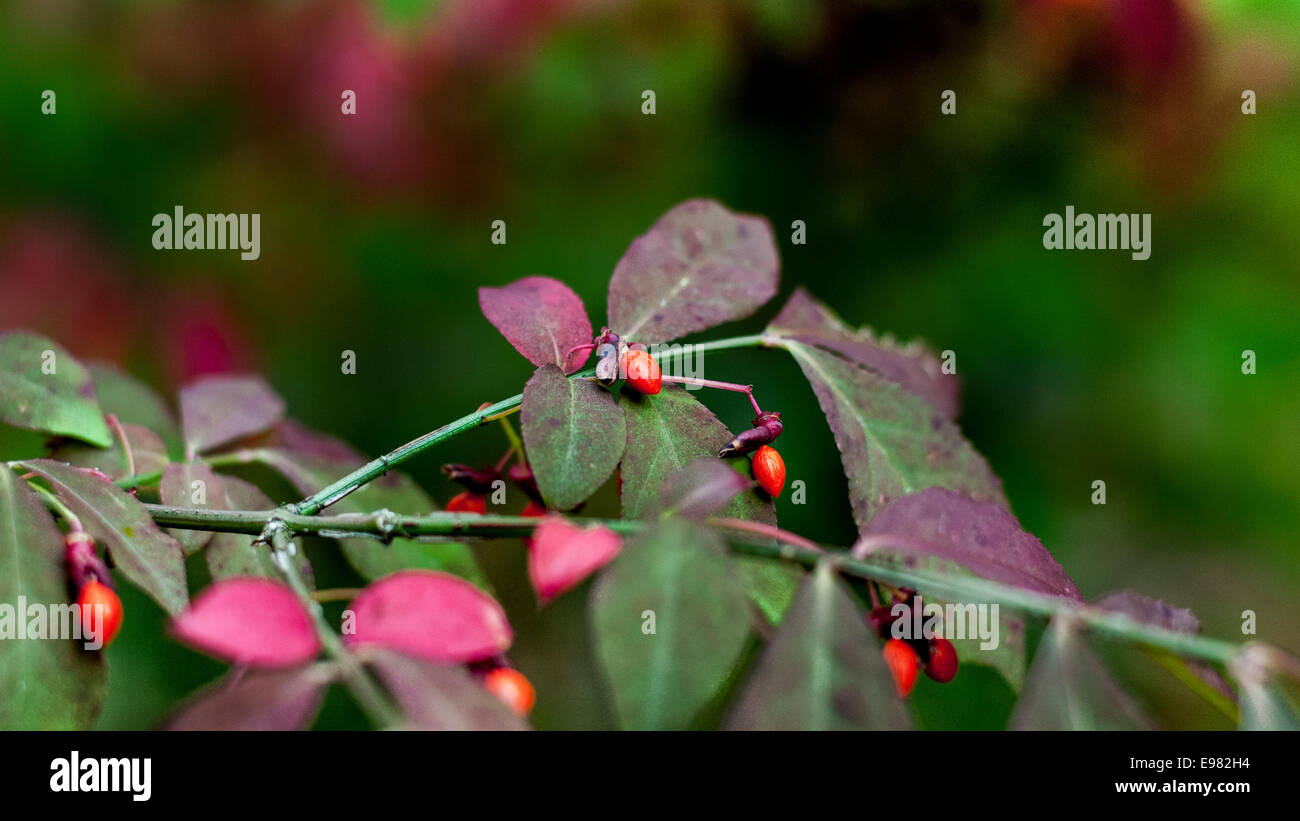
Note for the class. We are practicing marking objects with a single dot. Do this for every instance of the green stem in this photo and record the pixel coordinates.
(769, 543)
(377, 706)
(216, 460)
(53, 503)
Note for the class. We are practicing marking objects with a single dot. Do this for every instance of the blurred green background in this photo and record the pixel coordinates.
(375, 231)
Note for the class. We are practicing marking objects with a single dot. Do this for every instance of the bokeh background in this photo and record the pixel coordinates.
(375, 236)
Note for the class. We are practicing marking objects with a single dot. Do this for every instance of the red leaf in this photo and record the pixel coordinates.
(218, 410)
(249, 621)
(541, 317)
(434, 616)
(561, 555)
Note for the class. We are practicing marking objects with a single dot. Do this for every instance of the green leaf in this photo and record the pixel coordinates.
(192, 484)
(891, 443)
(822, 670)
(678, 578)
(665, 433)
(234, 554)
(309, 473)
(45, 684)
(1069, 689)
(151, 559)
(148, 451)
(134, 402)
(43, 388)
(1264, 704)
(574, 434)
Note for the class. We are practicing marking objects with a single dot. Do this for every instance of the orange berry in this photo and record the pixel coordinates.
(942, 666)
(534, 510)
(108, 620)
(642, 372)
(467, 502)
(514, 690)
(902, 663)
(769, 470)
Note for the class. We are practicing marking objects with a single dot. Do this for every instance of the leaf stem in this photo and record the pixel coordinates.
(53, 502)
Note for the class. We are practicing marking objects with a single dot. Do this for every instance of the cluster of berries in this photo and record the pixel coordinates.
(906, 657)
(478, 484)
(92, 585)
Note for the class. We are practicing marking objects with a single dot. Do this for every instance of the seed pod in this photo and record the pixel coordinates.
(522, 477)
(642, 372)
(513, 688)
(607, 364)
(769, 470)
(942, 664)
(766, 428)
(903, 664)
(479, 480)
(108, 619)
(84, 564)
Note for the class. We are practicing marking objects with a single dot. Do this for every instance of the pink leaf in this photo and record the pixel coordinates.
(249, 621)
(541, 317)
(430, 615)
(561, 555)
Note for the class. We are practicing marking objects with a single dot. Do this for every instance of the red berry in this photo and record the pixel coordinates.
(903, 664)
(510, 685)
(769, 470)
(642, 372)
(942, 666)
(108, 620)
(467, 502)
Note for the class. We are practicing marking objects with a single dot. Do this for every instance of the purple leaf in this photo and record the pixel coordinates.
(891, 442)
(151, 559)
(257, 700)
(249, 621)
(52, 684)
(218, 410)
(541, 317)
(822, 670)
(561, 555)
(698, 266)
(1154, 612)
(192, 484)
(134, 402)
(913, 366)
(434, 616)
(703, 487)
(981, 537)
(440, 697)
(1069, 689)
(574, 434)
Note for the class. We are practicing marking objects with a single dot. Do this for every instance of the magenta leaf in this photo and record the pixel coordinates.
(541, 317)
(257, 700)
(46, 683)
(703, 487)
(1069, 689)
(574, 433)
(192, 484)
(561, 555)
(151, 559)
(891, 443)
(433, 616)
(822, 670)
(1145, 610)
(439, 697)
(249, 621)
(698, 266)
(218, 410)
(981, 537)
(913, 366)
